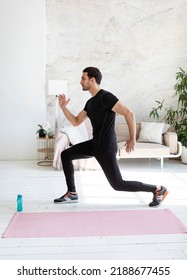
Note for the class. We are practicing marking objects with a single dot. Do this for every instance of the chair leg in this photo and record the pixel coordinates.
(161, 162)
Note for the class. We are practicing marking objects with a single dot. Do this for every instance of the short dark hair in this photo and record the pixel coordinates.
(94, 72)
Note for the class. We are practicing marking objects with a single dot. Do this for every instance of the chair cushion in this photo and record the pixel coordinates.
(144, 150)
(122, 131)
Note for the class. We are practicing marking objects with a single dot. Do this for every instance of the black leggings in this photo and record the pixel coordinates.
(108, 163)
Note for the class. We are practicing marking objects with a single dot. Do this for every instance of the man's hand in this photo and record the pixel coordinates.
(63, 102)
(74, 120)
(130, 145)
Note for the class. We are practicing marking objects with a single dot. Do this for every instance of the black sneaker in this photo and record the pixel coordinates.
(158, 197)
(67, 198)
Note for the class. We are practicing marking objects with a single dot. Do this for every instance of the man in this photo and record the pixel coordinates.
(102, 108)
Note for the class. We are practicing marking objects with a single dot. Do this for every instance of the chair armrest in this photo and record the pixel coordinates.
(170, 140)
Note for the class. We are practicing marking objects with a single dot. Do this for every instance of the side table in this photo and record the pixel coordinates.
(45, 150)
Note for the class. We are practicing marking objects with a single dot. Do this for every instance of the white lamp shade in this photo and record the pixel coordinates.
(56, 87)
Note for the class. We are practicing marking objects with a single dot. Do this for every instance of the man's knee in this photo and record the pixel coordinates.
(117, 185)
(64, 155)
(67, 155)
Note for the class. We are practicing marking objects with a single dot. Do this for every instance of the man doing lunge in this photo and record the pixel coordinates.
(101, 109)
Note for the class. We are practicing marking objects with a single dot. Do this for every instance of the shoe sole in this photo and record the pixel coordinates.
(66, 202)
(164, 196)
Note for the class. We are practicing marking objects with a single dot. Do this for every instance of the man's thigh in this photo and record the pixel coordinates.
(78, 151)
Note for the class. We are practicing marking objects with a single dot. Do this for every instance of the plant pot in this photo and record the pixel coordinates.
(42, 134)
(50, 134)
(184, 155)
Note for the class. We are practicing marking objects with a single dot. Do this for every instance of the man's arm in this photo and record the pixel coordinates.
(74, 120)
(121, 109)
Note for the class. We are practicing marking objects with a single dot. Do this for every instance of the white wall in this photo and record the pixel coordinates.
(22, 76)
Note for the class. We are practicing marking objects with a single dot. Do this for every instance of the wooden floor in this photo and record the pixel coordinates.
(40, 185)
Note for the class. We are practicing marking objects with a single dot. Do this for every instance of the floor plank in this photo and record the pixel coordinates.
(40, 185)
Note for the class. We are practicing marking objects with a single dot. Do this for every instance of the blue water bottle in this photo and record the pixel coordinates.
(19, 203)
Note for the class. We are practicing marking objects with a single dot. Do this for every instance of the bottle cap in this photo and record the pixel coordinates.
(20, 196)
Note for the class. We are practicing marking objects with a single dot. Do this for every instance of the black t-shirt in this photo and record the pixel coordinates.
(99, 111)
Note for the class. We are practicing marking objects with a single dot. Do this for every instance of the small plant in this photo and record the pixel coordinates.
(154, 112)
(41, 131)
(44, 130)
(176, 117)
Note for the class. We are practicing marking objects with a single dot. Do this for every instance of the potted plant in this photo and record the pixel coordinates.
(45, 130)
(41, 131)
(177, 117)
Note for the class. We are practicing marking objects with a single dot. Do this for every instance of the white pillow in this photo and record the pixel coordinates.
(151, 132)
(73, 134)
(83, 130)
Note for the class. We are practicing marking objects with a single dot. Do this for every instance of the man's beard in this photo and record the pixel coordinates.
(85, 88)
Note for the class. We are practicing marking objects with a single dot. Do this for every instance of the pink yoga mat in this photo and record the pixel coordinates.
(94, 223)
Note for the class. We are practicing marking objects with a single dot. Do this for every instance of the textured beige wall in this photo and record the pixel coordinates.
(138, 45)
